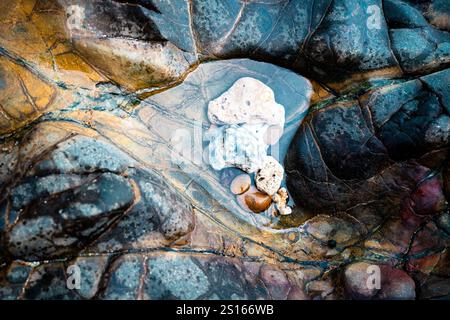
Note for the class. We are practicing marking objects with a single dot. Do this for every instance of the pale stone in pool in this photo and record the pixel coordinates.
(242, 147)
(269, 177)
(245, 119)
(247, 101)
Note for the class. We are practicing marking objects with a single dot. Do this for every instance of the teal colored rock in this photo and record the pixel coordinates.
(368, 149)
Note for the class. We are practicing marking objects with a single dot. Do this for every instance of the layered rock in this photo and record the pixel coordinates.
(94, 178)
(125, 44)
(377, 147)
(66, 199)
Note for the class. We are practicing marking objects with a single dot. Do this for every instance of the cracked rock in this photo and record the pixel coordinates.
(64, 222)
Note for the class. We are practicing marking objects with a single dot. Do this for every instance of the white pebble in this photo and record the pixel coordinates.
(269, 177)
(247, 101)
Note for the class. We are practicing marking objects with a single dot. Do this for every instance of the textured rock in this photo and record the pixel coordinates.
(281, 200)
(193, 278)
(263, 30)
(437, 284)
(320, 289)
(356, 279)
(124, 278)
(329, 229)
(393, 284)
(124, 42)
(105, 103)
(254, 200)
(396, 284)
(75, 193)
(269, 176)
(161, 217)
(428, 198)
(247, 101)
(369, 157)
(352, 36)
(67, 220)
(51, 277)
(24, 96)
(418, 46)
(91, 271)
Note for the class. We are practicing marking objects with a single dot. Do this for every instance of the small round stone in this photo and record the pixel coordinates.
(268, 178)
(240, 184)
(254, 200)
(331, 244)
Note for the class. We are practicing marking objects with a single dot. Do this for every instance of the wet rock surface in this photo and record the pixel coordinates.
(76, 192)
(104, 161)
(395, 284)
(368, 148)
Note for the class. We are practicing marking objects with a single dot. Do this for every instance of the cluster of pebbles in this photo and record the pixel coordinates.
(245, 121)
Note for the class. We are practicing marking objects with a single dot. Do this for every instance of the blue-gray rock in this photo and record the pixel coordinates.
(418, 46)
(76, 192)
(357, 151)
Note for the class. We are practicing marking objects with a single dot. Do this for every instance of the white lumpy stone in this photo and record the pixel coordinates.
(237, 146)
(241, 118)
(268, 178)
(247, 101)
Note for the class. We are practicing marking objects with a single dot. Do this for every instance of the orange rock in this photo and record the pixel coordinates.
(23, 96)
(254, 200)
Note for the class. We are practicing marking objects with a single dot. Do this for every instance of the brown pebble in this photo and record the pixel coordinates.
(254, 200)
(240, 184)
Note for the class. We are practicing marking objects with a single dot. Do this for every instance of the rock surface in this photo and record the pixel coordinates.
(269, 176)
(281, 202)
(246, 115)
(367, 148)
(242, 147)
(103, 108)
(248, 101)
(67, 199)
